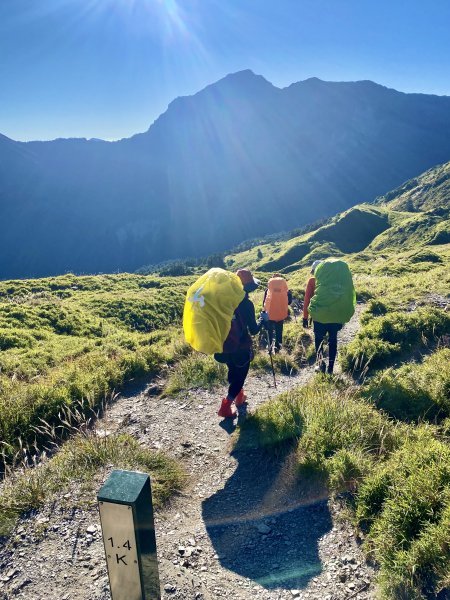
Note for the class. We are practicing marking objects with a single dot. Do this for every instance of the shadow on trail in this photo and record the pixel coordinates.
(265, 524)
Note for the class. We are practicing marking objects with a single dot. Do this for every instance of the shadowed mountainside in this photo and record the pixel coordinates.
(412, 219)
(238, 159)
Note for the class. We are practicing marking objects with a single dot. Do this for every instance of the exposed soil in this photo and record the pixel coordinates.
(244, 527)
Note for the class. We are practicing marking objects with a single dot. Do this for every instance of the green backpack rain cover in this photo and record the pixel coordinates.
(334, 297)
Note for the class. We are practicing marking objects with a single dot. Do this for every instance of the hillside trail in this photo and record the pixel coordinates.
(244, 526)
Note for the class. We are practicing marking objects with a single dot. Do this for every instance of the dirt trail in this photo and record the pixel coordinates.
(244, 527)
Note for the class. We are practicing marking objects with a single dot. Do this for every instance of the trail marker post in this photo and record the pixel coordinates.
(126, 515)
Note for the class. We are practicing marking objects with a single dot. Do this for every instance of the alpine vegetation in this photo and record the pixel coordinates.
(372, 424)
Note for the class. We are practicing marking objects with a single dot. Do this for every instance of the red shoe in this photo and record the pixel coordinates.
(226, 410)
(240, 398)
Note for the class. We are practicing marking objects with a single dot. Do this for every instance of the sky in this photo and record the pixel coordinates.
(108, 68)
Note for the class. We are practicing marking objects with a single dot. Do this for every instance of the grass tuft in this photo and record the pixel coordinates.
(398, 476)
(77, 463)
(387, 337)
(195, 371)
(415, 391)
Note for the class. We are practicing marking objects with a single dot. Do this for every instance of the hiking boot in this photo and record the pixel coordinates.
(240, 398)
(226, 411)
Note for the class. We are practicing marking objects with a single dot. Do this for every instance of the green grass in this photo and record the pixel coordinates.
(355, 229)
(68, 342)
(404, 506)
(415, 391)
(84, 381)
(283, 363)
(193, 372)
(79, 462)
(387, 337)
(397, 477)
(332, 426)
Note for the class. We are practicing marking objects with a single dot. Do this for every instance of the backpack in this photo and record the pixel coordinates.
(334, 298)
(276, 302)
(209, 308)
(233, 342)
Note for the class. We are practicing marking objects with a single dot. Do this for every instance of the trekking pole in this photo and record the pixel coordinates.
(269, 345)
(294, 309)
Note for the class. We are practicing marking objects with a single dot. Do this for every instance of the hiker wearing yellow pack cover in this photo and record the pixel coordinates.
(208, 309)
(237, 351)
(218, 319)
(277, 298)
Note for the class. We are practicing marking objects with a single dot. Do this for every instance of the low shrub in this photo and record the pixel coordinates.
(326, 420)
(387, 337)
(415, 391)
(156, 309)
(404, 506)
(12, 338)
(374, 308)
(425, 256)
(283, 363)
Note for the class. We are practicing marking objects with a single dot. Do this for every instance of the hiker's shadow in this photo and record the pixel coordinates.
(265, 524)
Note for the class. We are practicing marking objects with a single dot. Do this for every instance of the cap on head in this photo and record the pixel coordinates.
(315, 264)
(248, 281)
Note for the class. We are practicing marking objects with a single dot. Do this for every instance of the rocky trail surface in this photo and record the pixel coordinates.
(244, 526)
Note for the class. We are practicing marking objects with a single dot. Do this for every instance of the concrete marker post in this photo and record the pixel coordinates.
(128, 528)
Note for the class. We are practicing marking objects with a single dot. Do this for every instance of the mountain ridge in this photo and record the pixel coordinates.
(240, 158)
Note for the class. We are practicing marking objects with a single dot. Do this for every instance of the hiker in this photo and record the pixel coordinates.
(330, 300)
(277, 298)
(238, 349)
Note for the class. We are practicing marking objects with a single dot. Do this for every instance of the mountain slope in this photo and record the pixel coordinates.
(407, 223)
(238, 159)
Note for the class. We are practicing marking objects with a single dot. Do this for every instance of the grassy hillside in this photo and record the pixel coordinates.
(385, 440)
(379, 432)
(67, 342)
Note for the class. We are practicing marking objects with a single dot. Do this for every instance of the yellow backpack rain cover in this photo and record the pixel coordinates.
(209, 308)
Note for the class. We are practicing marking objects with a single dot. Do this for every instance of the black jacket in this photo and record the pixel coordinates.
(246, 311)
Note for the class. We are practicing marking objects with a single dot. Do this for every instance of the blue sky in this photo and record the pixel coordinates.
(108, 68)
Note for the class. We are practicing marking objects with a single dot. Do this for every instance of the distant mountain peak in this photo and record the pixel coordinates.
(244, 75)
(313, 80)
(240, 84)
(241, 81)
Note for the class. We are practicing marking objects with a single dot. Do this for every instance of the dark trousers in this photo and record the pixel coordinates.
(238, 365)
(277, 328)
(320, 331)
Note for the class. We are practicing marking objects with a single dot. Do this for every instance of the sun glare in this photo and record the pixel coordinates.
(167, 16)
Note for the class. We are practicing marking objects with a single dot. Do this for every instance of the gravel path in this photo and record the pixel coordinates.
(244, 527)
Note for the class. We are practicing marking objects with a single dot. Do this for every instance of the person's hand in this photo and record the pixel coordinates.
(305, 323)
(264, 316)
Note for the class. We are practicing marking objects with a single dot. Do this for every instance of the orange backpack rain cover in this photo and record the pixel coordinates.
(276, 303)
